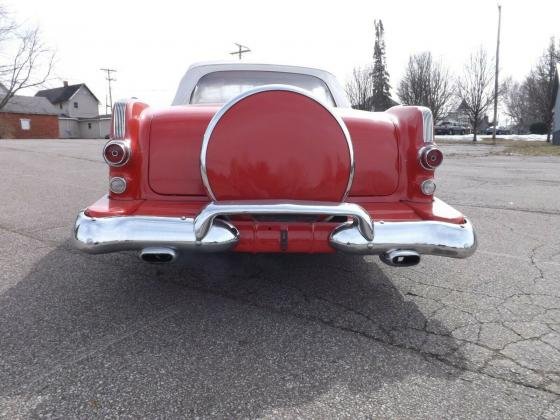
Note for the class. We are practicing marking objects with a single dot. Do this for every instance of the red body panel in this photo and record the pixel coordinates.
(173, 138)
(295, 150)
(175, 150)
(376, 153)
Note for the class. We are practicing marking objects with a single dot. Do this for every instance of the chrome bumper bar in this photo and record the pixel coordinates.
(425, 237)
(123, 233)
(208, 233)
(204, 220)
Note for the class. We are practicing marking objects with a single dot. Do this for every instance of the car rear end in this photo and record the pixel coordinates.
(273, 170)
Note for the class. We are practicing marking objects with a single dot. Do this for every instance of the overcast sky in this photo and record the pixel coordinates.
(151, 44)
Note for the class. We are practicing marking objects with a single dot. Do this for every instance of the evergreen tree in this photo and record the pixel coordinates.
(381, 99)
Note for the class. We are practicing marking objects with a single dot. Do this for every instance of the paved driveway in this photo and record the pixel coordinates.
(269, 336)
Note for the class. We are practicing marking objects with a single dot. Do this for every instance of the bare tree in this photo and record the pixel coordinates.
(25, 61)
(360, 88)
(7, 26)
(475, 88)
(517, 104)
(427, 83)
(539, 86)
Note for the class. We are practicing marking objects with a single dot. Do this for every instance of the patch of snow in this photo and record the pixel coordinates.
(522, 137)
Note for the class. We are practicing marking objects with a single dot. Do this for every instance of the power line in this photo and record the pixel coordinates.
(109, 80)
(241, 49)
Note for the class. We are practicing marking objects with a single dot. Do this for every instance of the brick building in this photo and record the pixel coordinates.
(28, 117)
(78, 111)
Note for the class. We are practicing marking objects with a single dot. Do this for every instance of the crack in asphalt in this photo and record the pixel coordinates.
(534, 263)
(518, 257)
(389, 335)
(28, 235)
(448, 346)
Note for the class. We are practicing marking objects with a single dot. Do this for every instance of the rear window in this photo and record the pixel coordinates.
(221, 86)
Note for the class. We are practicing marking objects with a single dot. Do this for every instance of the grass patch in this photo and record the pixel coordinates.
(532, 148)
(511, 147)
(480, 140)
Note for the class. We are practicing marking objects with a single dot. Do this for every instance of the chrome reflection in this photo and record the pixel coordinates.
(424, 237)
(110, 234)
(119, 119)
(207, 233)
(427, 124)
(205, 219)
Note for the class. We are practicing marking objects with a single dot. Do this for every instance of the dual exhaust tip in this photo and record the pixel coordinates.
(400, 258)
(395, 258)
(158, 255)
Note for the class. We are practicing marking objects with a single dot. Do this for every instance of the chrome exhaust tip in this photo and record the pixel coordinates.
(158, 255)
(400, 258)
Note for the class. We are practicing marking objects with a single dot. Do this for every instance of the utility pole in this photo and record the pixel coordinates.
(241, 49)
(109, 80)
(496, 75)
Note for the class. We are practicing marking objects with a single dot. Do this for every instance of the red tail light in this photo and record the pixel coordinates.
(116, 152)
(430, 157)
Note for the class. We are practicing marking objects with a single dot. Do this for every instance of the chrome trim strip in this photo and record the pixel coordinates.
(119, 120)
(121, 233)
(214, 121)
(424, 237)
(427, 124)
(126, 146)
(204, 221)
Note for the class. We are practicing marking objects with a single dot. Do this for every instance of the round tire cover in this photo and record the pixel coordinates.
(277, 144)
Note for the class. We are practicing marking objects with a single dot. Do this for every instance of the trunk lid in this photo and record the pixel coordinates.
(176, 136)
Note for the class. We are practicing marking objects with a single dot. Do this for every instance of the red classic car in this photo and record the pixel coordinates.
(268, 158)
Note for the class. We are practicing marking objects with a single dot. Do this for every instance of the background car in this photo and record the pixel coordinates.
(449, 128)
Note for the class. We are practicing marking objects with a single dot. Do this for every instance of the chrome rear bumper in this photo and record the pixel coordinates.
(208, 233)
(425, 237)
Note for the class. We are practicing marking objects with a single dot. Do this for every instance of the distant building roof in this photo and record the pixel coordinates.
(63, 93)
(462, 106)
(29, 105)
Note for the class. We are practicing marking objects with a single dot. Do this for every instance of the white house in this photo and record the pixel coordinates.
(78, 111)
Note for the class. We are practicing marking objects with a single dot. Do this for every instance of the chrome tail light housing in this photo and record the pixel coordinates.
(430, 157)
(116, 153)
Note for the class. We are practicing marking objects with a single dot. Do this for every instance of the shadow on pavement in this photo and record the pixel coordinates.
(212, 335)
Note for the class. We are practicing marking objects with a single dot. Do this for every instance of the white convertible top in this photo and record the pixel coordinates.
(198, 70)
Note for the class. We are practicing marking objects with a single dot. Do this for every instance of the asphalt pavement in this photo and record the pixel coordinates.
(289, 336)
